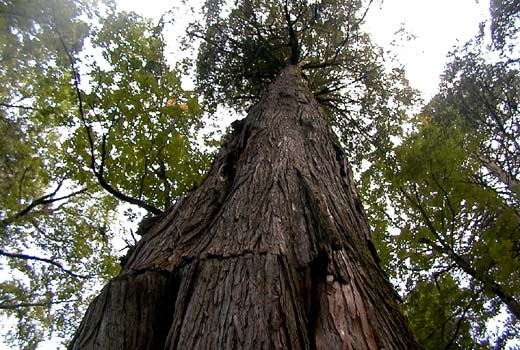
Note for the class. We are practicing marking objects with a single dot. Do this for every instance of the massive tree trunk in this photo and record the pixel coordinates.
(272, 251)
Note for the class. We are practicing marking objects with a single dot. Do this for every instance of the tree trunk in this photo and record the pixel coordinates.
(272, 251)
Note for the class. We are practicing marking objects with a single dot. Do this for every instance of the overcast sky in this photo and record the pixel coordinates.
(438, 26)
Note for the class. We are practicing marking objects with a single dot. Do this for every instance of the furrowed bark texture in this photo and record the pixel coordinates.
(272, 251)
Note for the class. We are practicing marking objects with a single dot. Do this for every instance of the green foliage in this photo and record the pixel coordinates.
(505, 15)
(42, 296)
(32, 56)
(449, 195)
(81, 130)
(244, 46)
(143, 125)
(440, 314)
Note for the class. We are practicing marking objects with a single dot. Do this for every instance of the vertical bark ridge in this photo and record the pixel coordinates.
(272, 251)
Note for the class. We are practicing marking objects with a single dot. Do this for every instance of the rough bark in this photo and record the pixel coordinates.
(272, 251)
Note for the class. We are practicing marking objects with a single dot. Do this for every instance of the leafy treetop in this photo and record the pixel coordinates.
(245, 44)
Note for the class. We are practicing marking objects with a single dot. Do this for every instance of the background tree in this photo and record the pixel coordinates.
(452, 191)
(71, 126)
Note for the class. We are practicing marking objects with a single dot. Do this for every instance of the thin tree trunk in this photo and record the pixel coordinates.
(272, 251)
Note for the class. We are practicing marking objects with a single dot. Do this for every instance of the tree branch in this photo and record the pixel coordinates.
(7, 105)
(99, 173)
(447, 198)
(43, 200)
(505, 177)
(487, 282)
(9, 306)
(45, 260)
(293, 39)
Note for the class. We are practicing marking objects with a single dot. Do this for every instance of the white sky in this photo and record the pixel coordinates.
(438, 25)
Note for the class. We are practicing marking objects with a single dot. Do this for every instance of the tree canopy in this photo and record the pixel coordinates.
(244, 46)
(451, 193)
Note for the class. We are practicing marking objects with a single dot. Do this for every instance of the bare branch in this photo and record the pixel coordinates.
(11, 306)
(45, 260)
(505, 177)
(7, 105)
(43, 200)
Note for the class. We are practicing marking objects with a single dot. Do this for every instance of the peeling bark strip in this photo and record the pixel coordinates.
(272, 251)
